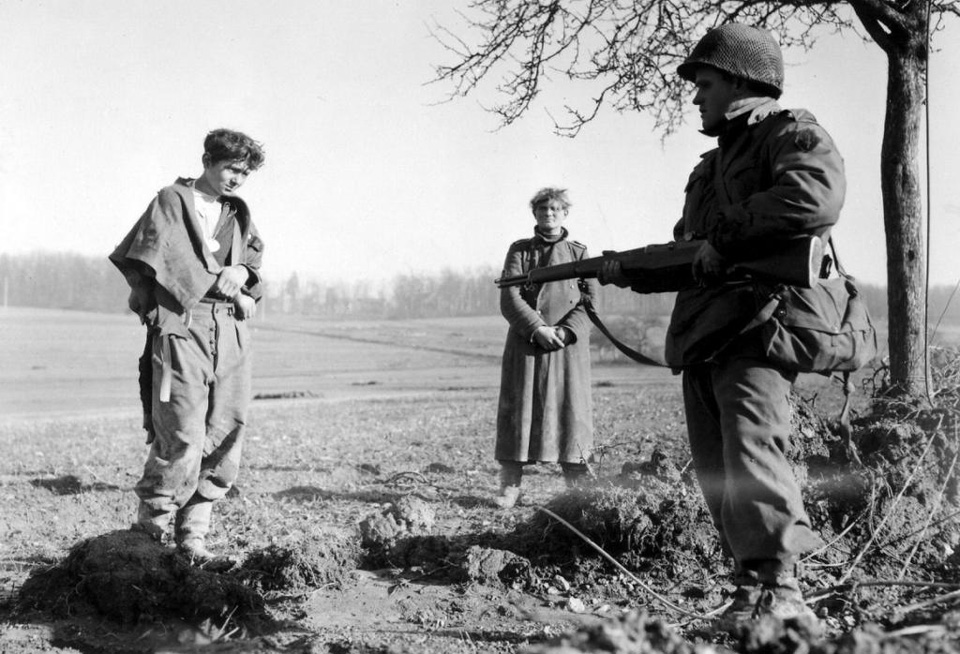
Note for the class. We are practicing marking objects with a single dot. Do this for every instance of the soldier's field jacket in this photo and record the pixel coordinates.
(775, 174)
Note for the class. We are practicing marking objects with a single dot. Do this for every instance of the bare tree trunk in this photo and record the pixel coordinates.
(903, 223)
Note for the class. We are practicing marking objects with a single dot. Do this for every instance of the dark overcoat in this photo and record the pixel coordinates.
(545, 411)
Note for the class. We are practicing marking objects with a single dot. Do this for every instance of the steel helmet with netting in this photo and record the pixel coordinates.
(740, 50)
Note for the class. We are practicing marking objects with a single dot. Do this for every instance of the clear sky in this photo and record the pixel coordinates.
(369, 172)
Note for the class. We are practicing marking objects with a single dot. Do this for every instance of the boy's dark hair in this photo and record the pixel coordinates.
(230, 145)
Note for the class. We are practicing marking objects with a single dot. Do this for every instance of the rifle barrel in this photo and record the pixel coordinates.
(669, 267)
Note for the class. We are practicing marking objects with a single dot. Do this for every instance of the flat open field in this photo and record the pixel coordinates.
(74, 363)
(380, 402)
(356, 423)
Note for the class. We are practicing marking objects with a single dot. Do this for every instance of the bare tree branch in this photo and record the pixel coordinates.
(623, 54)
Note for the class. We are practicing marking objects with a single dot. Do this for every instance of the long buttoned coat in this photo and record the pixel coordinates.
(545, 410)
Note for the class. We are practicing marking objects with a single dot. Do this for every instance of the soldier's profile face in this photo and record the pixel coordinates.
(715, 93)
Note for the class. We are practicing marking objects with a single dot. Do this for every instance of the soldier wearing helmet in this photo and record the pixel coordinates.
(775, 174)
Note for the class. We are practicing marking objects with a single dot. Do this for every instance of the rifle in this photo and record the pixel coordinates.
(669, 267)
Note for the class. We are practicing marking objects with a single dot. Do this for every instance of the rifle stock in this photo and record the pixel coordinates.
(666, 267)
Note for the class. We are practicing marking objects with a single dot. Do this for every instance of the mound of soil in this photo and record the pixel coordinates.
(888, 513)
(326, 559)
(128, 577)
(650, 517)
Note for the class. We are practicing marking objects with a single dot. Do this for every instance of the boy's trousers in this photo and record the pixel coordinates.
(201, 391)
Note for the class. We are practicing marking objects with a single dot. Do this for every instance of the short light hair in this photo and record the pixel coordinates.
(551, 193)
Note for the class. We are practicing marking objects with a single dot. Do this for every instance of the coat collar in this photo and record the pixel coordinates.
(539, 238)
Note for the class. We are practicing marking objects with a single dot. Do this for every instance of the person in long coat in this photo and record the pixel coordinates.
(545, 412)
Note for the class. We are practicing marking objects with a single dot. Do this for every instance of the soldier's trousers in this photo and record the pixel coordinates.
(738, 420)
(201, 391)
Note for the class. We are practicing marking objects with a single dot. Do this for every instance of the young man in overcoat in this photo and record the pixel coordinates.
(775, 174)
(192, 261)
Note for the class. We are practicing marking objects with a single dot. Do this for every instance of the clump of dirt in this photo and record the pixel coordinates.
(129, 578)
(324, 560)
(770, 635)
(398, 536)
(408, 515)
(890, 513)
(491, 566)
(414, 513)
(650, 517)
(633, 633)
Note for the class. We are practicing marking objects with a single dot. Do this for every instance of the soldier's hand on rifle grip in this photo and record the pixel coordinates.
(708, 263)
(611, 272)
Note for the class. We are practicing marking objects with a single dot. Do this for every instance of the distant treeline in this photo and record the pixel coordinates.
(73, 281)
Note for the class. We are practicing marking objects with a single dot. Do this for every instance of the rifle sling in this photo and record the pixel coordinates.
(763, 315)
(639, 357)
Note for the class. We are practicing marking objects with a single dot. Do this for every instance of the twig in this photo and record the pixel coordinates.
(880, 582)
(934, 508)
(903, 610)
(889, 513)
(915, 630)
(406, 476)
(835, 540)
(616, 563)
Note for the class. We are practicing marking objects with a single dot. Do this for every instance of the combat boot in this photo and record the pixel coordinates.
(192, 527)
(781, 599)
(511, 474)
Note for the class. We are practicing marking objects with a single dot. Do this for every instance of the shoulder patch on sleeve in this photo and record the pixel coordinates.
(520, 243)
(807, 139)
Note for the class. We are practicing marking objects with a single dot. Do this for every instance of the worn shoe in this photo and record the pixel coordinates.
(742, 609)
(782, 600)
(508, 497)
(511, 476)
(200, 556)
(575, 475)
(153, 522)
